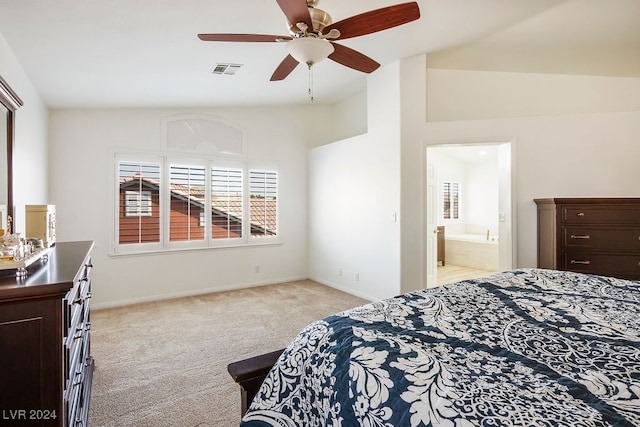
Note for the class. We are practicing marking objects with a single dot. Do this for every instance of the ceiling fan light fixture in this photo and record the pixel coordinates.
(309, 50)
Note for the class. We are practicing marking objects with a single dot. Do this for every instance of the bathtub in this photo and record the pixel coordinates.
(472, 250)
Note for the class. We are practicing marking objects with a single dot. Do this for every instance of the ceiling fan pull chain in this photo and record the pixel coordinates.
(310, 65)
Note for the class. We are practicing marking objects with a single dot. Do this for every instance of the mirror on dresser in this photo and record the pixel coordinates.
(9, 103)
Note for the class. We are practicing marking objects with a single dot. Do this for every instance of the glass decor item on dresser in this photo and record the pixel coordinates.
(18, 253)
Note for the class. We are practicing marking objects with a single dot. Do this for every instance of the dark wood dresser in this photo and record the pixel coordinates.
(590, 235)
(46, 366)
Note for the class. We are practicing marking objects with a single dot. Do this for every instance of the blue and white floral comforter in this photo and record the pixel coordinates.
(527, 347)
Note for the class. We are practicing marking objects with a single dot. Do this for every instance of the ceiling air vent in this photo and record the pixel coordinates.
(228, 69)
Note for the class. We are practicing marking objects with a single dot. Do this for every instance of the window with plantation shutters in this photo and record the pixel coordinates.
(139, 203)
(184, 203)
(226, 203)
(451, 200)
(187, 202)
(263, 195)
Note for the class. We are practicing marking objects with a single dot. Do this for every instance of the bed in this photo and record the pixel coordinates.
(527, 347)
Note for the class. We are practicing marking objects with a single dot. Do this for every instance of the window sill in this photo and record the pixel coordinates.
(143, 252)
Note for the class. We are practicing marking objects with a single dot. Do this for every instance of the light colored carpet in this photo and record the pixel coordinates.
(165, 363)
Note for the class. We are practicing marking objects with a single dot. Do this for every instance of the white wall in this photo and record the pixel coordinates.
(30, 167)
(452, 170)
(413, 103)
(481, 197)
(338, 121)
(465, 95)
(81, 182)
(354, 201)
(345, 119)
(479, 188)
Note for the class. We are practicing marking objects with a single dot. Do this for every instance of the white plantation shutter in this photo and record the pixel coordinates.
(187, 202)
(138, 203)
(263, 193)
(226, 203)
(451, 199)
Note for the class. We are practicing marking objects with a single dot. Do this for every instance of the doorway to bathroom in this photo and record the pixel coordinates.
(469, 212)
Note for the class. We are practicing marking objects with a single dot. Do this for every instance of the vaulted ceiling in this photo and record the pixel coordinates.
(145, 53)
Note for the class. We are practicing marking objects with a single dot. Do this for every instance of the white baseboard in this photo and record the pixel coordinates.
(190, 293)
(345, 289)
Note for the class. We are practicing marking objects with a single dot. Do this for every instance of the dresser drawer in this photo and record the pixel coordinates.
(75, 327)
(601, 238)
(72, 405)
(70, 301)
(85, 272)
(600, 214)
(617, 265)
(73, 365)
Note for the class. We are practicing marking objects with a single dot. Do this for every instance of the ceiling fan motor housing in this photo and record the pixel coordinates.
(319, 19)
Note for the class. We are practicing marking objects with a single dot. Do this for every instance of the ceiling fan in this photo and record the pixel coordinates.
(313, 34)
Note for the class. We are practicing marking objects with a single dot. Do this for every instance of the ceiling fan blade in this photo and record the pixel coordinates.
(284, 69)
(353, 59)
(241, 38)
(296, 11)
(375, 20)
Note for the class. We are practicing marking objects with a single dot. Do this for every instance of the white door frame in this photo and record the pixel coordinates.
(507, 220)
(431, 229)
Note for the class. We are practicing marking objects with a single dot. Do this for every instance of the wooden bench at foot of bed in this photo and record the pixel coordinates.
(250, 373)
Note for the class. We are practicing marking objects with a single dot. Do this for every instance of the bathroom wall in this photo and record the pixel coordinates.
(478, 177)
(480, 208)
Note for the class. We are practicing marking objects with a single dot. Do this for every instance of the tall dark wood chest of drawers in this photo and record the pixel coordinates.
(46, 368)
(590, 235)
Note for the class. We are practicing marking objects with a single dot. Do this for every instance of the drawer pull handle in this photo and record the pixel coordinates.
(580, 214)
(573, 261)
(586, 236)
(77, 380)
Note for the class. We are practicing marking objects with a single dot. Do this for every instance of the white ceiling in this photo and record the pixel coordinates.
(145, 53)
